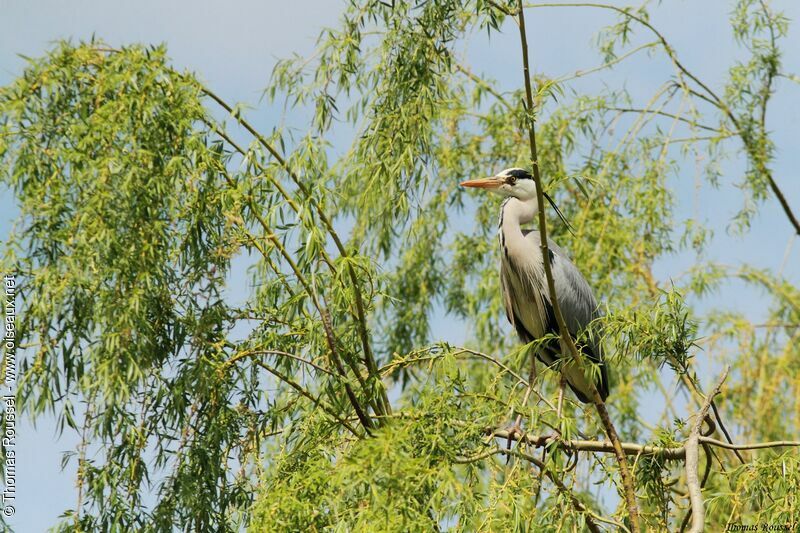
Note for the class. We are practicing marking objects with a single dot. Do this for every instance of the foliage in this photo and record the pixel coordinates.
(322, 400)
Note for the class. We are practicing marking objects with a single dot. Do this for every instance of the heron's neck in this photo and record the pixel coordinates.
(513, 215)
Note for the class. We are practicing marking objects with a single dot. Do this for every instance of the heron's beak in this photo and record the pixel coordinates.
(484, 183)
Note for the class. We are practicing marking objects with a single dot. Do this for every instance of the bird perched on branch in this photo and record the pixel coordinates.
(526, 297)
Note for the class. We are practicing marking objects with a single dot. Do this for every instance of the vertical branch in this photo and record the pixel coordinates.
(627, 479)
(692, 454)
(81, 474)
(329, 336)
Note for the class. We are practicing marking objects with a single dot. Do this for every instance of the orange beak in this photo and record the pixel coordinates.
(484, 183)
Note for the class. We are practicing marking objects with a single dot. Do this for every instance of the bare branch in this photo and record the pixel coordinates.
(627, 479)
(725, 430)
(692, 454)
(632, 448)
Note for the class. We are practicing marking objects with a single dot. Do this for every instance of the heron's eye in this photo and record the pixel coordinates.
(511, 180)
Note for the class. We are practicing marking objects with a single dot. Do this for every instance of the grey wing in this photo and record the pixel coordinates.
(507, 305)
(577, 302)
(579, 307)
(509, 289)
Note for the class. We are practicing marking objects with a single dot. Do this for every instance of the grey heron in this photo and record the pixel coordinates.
(526, 297)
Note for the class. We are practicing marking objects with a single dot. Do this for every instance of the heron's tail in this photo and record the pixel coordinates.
(579, 384)
(603, 387)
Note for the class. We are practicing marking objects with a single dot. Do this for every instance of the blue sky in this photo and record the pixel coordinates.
(233, 46)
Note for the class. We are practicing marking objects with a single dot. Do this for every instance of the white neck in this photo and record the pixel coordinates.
(518, 212)
(513, 215)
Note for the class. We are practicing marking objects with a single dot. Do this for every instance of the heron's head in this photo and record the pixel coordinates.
(514, 182)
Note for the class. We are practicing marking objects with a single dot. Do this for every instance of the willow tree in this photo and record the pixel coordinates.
(321, 398)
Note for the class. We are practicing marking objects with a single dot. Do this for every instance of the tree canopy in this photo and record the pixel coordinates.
(324, 400)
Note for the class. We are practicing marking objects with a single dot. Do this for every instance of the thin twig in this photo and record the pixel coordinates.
(709, 457)
(528, 382)
(750, 446)
(609, 64)
(303, 392)
(296, 208)
(665, 114)
(708, 95)
(483, 83)
(725, 430)
(249, 353)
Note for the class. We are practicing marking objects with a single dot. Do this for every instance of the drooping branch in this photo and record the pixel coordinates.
(305, 393)
(369, 358)
(270, 235)
(326, 258)
(639, 110)
(280, 353)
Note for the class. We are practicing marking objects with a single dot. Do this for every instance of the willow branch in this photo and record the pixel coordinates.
(692, 454)
(312, 294)
(303, 392)
(725, 430)
(296, 208)
(331, 340)
(250, 353)
(627, 479)
(541, 441)
(664, 114)
(750, 446)
(773, 71)
(483, 83)
(782, 200)
(632, 448)
(527, 382)
(608, 64)
(369, 357)
(708, 94)
(665, 44)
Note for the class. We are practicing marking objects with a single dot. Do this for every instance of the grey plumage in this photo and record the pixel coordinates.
(526, 297)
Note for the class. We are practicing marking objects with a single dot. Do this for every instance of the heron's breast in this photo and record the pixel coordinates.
(525, 296)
